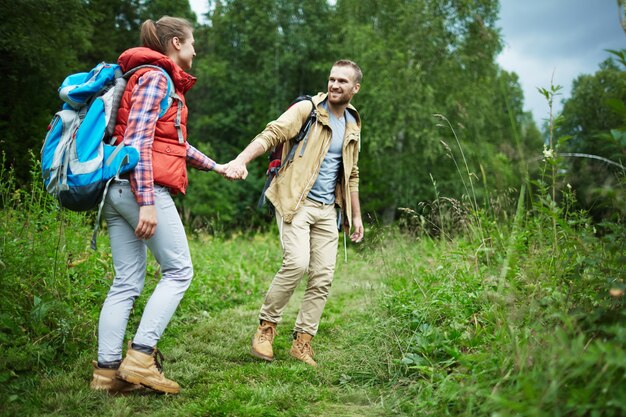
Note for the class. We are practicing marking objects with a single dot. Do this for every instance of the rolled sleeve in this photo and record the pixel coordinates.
(198, 160)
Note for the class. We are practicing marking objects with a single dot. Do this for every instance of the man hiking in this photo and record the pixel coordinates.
(314, 194)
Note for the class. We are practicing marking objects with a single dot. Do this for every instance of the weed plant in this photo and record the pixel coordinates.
(49, 280)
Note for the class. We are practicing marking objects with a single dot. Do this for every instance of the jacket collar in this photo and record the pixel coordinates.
(353, 114)
(135, 57)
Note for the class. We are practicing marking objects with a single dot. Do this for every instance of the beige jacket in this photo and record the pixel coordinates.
(294, 180)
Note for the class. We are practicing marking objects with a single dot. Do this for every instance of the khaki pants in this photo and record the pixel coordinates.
(309, 245)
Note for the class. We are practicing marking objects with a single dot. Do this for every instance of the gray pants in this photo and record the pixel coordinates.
(171, 250)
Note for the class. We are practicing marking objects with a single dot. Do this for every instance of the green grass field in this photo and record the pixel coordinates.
(505, 322)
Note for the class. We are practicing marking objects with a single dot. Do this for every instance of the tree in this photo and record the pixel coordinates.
(595, 119)
(39, 41)
(254, 58)
(115, 28)
(421, 58)
(154, 9)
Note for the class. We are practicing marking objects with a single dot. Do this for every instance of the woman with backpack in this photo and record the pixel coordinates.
(139, 209)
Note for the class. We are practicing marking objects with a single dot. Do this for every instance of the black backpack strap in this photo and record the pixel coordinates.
(302, 134)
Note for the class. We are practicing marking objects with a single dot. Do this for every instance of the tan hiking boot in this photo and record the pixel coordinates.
(105, 380)
(262, 341)
(301, 348)
(145, 369)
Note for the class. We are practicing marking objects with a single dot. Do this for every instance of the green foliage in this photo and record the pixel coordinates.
(595, 119)
(545, 341)
(50, 280)
(541, 336)
(40, 42)
(481, 306)
(438, 59)
(114, 28)
(255, 57)
(480, 323)
(45, 40)
(154, 9)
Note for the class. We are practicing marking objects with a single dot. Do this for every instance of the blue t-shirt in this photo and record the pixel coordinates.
(323, 189)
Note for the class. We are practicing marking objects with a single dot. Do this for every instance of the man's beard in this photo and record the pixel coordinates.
(341, 100)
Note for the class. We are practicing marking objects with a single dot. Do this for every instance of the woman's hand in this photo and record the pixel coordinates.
(220, 169)
(146, 227)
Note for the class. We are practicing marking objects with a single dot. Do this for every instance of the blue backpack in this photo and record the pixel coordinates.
(77, 161)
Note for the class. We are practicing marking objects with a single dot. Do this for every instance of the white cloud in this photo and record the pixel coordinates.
(200, 8)
(564, 37)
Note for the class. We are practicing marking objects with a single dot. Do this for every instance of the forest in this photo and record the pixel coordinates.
(491, 280)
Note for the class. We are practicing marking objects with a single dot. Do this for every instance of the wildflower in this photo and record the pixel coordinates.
(548, 153)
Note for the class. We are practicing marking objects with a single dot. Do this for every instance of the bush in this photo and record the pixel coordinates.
(52, 284)
(539, 335)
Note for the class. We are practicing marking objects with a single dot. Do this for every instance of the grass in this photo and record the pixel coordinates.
(206, 348)
(492, 323)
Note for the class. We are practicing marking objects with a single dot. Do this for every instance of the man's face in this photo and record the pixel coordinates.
(341, 85)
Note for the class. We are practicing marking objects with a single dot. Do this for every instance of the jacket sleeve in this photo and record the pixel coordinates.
(285, 127)
(198, 160)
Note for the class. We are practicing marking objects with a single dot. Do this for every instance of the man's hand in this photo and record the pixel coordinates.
(237, 167)
(147, 222)
(236, 170)
(357, 225)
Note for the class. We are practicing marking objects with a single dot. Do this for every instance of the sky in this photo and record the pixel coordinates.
(556, 40)
(548, 40)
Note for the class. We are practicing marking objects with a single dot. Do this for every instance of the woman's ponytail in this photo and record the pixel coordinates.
(156, 35)
(149, 36)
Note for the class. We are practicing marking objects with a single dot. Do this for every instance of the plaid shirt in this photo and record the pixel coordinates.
(142, 119)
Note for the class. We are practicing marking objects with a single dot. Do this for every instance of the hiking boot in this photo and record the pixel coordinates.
(146, 369)
(262, 341)
(104, 380)
(301, 348)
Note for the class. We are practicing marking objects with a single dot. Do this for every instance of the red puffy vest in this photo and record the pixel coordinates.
(169, 153)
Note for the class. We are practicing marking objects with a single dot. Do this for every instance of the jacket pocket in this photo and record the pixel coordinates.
(169, 165)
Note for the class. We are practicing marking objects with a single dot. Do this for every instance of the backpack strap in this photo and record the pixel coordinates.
(302, 134)
(116, 99)
(274, 167)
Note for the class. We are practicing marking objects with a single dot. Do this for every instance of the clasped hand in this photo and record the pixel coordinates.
(234, 170)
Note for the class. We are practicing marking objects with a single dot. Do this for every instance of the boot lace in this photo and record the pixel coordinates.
(307, 349)
(158, 359)
(267, 334)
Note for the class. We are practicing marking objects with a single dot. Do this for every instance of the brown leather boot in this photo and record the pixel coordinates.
(301, 348)
(146, 369)
(104, 379)
(263, 339)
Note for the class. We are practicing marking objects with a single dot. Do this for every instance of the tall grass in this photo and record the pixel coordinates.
(535, 330)
(50, 281)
